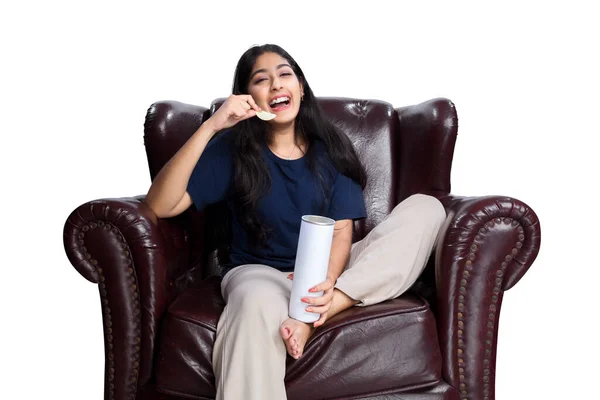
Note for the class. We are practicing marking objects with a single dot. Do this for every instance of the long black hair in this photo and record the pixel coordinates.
(252, 179)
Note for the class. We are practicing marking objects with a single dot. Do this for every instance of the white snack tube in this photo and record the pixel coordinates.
(312, 262)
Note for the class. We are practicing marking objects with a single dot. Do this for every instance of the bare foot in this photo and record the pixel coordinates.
(295, 334)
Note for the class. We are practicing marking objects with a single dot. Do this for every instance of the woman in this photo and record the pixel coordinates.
(271, 173)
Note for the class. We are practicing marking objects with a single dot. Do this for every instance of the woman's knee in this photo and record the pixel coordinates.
(433, 207)
(426, 206)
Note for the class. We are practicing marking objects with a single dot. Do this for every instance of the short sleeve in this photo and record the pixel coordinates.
(347, 200)
(212, 176)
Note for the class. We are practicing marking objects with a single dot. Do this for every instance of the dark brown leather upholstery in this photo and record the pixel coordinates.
(160, 303)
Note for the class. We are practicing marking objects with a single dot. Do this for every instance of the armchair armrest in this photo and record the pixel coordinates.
(487, 245)
(134, 257)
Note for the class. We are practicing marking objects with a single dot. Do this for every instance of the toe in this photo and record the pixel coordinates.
(285, 332)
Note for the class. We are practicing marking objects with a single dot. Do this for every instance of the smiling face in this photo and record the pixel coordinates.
(275, 87)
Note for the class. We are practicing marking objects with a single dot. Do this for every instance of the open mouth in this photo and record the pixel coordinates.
(280, 103)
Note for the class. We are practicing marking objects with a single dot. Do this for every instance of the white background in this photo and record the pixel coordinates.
(76, 81)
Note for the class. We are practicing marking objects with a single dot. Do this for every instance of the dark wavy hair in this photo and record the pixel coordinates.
(252, 179)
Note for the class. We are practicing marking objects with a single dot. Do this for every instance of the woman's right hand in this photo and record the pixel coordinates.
(235, 109)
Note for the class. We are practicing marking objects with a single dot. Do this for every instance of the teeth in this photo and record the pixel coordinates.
(279, 100)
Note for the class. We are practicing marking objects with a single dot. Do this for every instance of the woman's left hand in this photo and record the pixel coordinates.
(319, 305)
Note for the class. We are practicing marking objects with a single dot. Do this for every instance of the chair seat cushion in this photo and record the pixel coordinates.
(387, 347)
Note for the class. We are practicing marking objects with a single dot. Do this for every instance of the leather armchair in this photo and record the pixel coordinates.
(160, 294)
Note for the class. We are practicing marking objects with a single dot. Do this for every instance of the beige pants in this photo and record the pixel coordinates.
(249, 354)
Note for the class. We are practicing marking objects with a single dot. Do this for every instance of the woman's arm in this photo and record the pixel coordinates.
(340, 248)
(169, 186)
(168, 195)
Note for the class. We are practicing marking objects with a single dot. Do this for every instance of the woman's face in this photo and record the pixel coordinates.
(275, 87)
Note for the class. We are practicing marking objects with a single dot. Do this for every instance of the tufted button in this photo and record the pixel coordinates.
(93, 225)
(498, 220)
(492, 307)
(462, 386)
(461, 306)
(459, 351)
(471, 256)
(461, 370)
(460, 315)
(460, 324)
(460, 332)
(462, 289)
(521, 237)
(499, 273)
(469, 263)
(466, 273)
(463, 282)
(473, 247)
(461, 298)
(518, 245)
(85, 228)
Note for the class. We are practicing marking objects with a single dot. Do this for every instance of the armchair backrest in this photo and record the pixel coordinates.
(404, 150)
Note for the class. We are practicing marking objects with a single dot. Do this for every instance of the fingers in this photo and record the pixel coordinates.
(322, 286)
(243, 112)
(250, 101)
(291, 276)
(321, 320)
(319, 309)
(326, 298)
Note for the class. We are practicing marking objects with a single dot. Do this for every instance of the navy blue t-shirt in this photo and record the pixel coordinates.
(294, 192)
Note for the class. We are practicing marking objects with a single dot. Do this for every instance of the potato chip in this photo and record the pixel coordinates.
(265, 116)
